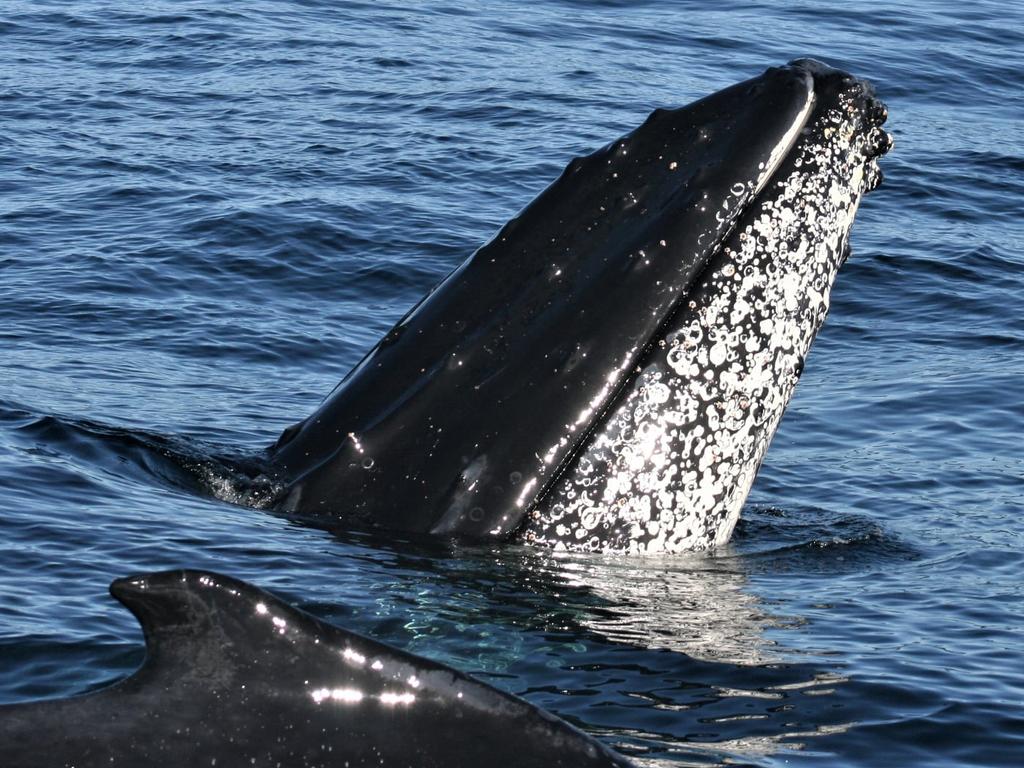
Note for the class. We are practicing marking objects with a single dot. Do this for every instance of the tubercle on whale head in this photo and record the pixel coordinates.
(459, 422)
(829, 83)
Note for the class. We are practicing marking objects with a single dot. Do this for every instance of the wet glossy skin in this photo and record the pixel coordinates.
(236, 677)
(463, 414)
(470, 417)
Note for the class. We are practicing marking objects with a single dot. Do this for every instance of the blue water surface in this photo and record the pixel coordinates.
(210, 211)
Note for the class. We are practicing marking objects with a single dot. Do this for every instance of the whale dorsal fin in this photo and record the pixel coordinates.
(213, 636)
(236, 676)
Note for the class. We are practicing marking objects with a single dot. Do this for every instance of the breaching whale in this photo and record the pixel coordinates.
(607, 372)
(234, 676)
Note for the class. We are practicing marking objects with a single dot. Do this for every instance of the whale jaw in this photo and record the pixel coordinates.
(670, 467)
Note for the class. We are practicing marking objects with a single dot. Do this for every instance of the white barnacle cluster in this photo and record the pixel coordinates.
(672, 465)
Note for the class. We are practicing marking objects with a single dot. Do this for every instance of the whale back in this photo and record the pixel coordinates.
(235, 676)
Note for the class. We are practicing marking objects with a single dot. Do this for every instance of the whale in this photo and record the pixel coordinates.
(607, 372)
(234, 676)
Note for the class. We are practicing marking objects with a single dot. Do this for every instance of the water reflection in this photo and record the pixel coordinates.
(671, 660)
(695, 604)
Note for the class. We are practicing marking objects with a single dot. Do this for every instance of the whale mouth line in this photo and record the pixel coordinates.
(781, 151)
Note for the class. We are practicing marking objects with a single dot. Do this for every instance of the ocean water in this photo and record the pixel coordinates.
(209, 212)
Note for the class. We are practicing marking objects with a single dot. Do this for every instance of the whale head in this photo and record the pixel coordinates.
(607, 372)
